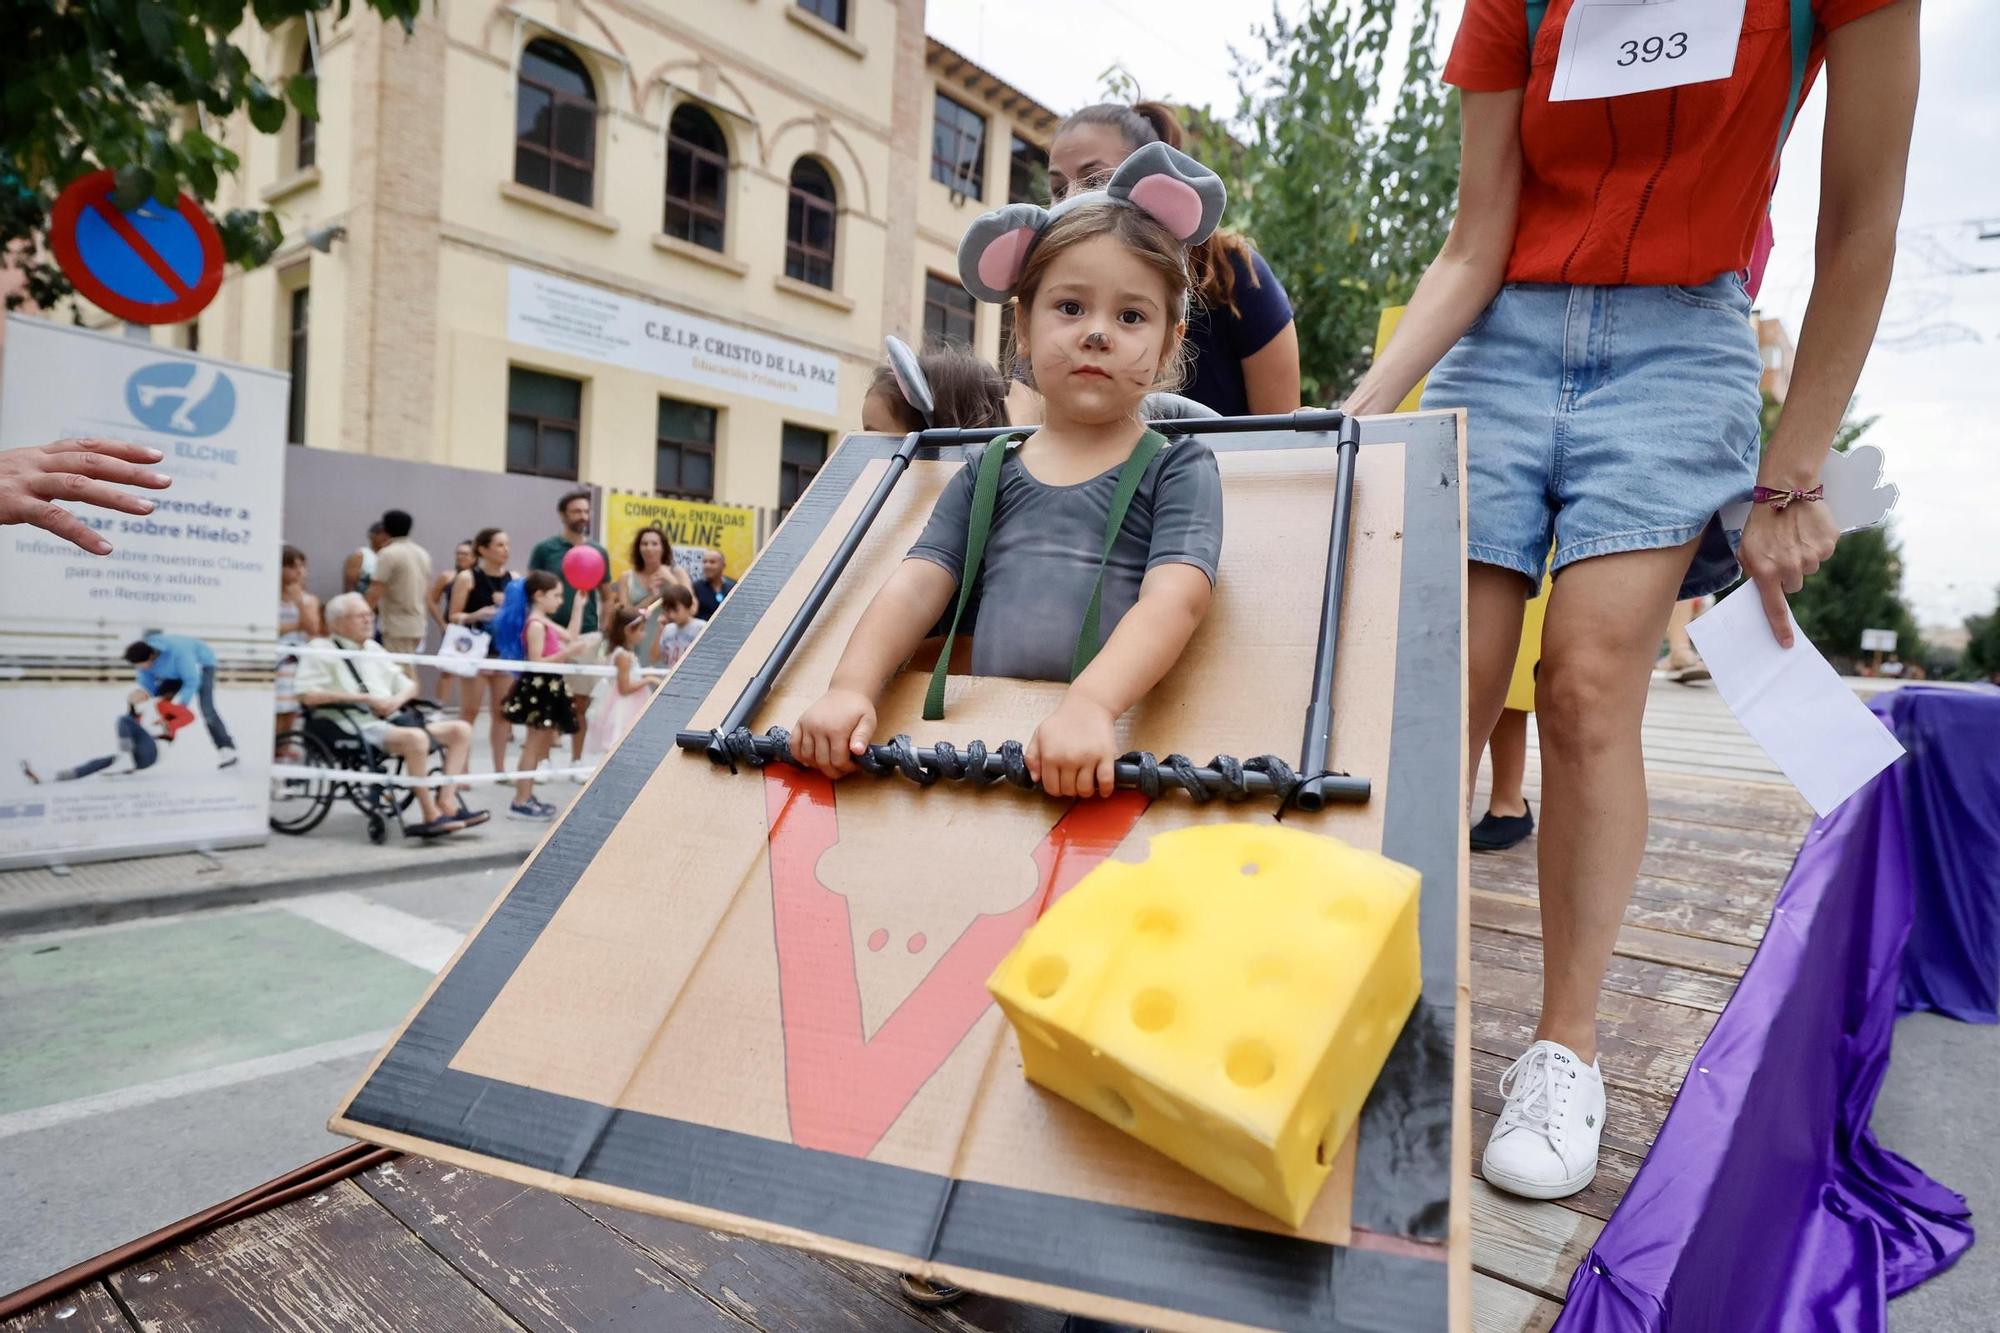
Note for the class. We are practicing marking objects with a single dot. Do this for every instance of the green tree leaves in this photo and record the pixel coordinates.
(1859, 587)
(1345, 179)
(1982, 648)
(1352, 177)
(140, 86)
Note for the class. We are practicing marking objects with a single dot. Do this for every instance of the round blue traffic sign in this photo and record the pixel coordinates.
(147, 265)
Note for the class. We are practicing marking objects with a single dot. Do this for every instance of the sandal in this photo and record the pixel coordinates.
(932, 1295)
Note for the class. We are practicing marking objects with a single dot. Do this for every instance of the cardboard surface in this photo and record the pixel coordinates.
(757, 1000)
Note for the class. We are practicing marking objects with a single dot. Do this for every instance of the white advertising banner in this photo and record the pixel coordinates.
(558, 315)
(101, 756)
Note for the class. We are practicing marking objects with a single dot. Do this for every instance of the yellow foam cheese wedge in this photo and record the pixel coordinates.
(1229, 1001)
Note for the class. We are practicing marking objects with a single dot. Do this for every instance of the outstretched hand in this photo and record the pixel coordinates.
(34, 478)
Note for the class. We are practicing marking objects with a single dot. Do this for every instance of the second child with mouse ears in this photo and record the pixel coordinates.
(1101, 281)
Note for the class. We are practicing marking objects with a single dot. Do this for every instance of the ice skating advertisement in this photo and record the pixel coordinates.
(136, 688)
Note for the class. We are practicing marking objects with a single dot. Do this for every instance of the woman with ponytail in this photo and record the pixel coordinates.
(1242, 349)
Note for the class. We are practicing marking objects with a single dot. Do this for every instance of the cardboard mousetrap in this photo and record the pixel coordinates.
(756, 1000)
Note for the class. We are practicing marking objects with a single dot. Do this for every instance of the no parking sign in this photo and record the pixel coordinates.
(147, 265)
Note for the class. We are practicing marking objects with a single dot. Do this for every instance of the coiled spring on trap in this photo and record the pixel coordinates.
(1224, 776)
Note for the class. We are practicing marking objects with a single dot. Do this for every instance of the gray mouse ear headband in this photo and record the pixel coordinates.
(1166, 184)
(911, 381)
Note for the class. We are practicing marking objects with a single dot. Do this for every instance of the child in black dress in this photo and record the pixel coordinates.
(540, 700)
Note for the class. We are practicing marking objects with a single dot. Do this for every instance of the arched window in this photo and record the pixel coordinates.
(809, 225)
(305, 150)
(697, 177)
(555, 123)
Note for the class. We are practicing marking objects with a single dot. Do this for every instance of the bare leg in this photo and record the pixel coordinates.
(488, 684)
(413, 746)
(533, 751)
(456, 737)
(582, 702)
(1494, 601)
(503, 730)
(1604, 622)
(468, 700)
(1680, 648)
(1509, 747)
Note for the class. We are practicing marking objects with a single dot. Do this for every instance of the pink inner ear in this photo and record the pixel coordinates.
(1174, 202)
(1000, 263)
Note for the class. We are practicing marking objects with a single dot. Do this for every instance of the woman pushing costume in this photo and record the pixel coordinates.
(1611, 395)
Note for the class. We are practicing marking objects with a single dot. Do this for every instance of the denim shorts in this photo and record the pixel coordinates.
(1606, 419)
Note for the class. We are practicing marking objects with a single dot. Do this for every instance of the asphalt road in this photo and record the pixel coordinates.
(155, 1067)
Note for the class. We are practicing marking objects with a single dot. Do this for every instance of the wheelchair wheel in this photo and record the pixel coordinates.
(378, 830)
(298, 804)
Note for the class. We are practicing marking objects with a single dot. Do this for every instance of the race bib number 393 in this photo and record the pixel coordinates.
(1614, 47)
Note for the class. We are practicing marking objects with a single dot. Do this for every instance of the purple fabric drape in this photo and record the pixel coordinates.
(1766, 1204)
(1950, 789)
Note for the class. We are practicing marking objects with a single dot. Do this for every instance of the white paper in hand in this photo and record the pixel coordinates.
(1792, 703)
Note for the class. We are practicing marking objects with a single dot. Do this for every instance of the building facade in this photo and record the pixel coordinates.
(1774, 349)
(649, 245)
(987, 146)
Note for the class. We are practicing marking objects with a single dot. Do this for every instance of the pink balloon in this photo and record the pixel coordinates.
(583, 568)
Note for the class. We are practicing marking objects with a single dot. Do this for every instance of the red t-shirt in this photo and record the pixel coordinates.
(1658, 187)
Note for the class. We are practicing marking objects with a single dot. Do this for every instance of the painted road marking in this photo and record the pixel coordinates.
(399, 934)
(86, 1015)
(167, 996)
(200, 1080)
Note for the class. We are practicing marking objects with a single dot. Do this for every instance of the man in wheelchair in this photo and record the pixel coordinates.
(377, 699)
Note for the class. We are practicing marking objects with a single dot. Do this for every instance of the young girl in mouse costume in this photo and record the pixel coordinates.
(1090, 544)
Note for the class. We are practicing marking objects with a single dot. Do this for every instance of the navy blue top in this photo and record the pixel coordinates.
(1220, 339)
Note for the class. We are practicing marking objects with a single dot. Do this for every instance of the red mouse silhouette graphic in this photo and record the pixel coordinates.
(844, 1088)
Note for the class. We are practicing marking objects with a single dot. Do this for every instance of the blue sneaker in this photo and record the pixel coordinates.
(539, 811)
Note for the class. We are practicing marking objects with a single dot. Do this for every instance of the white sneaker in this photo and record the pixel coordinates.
(225, 758)
(1545, 1143)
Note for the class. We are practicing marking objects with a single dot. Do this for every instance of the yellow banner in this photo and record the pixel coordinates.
(691, 526)
(1385, 330)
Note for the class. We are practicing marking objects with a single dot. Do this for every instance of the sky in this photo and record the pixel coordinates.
(1934, 375)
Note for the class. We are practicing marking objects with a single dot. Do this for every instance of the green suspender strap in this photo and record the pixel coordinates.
(985, 492)
(985, 495)
(1088, 641)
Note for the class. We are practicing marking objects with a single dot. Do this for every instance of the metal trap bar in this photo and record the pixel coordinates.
(1309, 786)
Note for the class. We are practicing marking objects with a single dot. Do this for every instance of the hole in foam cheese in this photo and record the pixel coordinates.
(1234, 1021)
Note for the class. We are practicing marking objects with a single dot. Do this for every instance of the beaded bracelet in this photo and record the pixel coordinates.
(1778, 499)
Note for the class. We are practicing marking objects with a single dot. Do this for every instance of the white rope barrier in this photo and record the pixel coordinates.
(358, 778)
(456, 665)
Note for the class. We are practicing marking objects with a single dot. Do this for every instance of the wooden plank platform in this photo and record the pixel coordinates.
(1724, 827)
(414, 1243)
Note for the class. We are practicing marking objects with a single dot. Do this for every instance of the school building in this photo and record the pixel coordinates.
(1774, 349)
(653, 245)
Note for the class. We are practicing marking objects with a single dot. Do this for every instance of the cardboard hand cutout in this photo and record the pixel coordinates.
(1856, 495)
